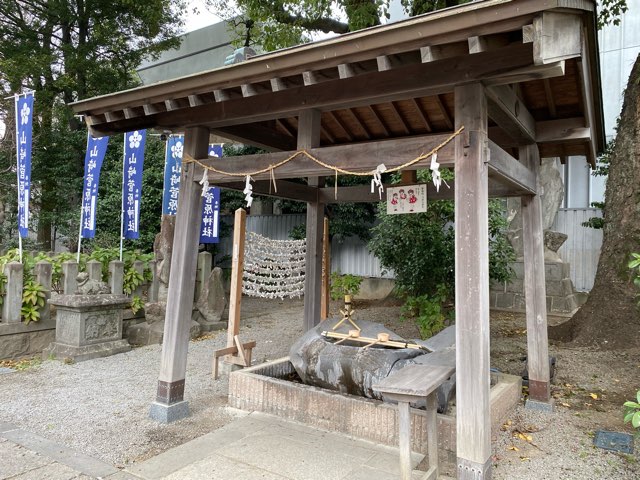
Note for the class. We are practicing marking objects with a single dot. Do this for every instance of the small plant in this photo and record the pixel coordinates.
(632, 412)
(342, 285)
(427, 311)
(132, 280)
(33, 299)
(136, 304)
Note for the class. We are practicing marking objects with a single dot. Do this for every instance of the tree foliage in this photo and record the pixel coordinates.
(67, 50)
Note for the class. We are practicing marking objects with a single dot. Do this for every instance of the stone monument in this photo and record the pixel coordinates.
(88, 326)
(151, 331)
(561, 296)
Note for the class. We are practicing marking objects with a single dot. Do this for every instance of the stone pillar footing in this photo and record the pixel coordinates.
(164, 413)
(539, 405)
(468, 470)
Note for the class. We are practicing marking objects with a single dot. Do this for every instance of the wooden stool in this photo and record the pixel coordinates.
(410, 384)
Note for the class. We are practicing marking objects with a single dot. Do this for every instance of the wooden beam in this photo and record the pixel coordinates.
(286, 127)
(346, 70)
(326, 270)
(588, 93)
(377, 87)
(195, 100)
(172, 105)
(151, 109)
(422, 114)
(357, 157)
(308, 138)
(114, 116)
(341, 125)
(551, 104)
(237, 265)
(526, 74)
(511, 114)
(473, 411)
(567, 130)
(535, 288)
(509, 171)
(285, 189)
(277, 84)
(433, 53)
(443, 110)
(400, 119)
(377, 116)
(173, 364)
(221, 95)
(556, 36)
(258, 136)
(360, 123)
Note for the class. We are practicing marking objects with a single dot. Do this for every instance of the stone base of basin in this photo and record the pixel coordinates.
(264, 388)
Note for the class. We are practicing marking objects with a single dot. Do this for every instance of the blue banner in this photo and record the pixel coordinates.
(132, 182)
(24, 131)
(215, 150)
(209, 232)
(96, 148)
(172, 171)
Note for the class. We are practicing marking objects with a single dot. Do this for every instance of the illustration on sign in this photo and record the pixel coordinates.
(407, 199)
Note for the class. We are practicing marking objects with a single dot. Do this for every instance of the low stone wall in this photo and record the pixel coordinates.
(263, 388)
(19, 340)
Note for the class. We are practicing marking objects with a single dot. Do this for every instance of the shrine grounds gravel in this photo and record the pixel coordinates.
(100, 407)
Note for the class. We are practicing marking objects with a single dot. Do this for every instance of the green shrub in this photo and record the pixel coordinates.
(428, 312)
(634, 265)
(632, 412)
(342, 285)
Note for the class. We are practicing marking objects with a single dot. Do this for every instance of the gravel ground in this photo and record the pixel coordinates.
(100, 407)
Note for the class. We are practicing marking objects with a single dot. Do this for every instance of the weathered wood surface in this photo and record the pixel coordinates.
(415, 380)
(510, 113)
(510, 172)
(309, 137)
(326, 270)
(472, 280)
(173, 362)
(237, 265)
(535, 287)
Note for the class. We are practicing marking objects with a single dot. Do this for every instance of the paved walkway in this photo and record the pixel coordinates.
(255, 446)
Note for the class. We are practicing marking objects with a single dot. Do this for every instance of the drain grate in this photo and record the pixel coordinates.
(616, 441)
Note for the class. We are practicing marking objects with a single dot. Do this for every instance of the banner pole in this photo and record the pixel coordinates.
(81, 212)
(124, 150)
(15, 98)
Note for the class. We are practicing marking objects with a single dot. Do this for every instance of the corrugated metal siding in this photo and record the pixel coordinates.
(582, 248)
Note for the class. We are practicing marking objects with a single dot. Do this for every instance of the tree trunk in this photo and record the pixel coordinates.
(610, 318)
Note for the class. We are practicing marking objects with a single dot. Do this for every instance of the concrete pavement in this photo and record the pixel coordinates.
(254, 446)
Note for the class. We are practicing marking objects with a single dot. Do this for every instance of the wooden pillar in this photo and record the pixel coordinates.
(170, 404)
(473, 414)
(535, 290)
(326, 271)
(237, 266)
(309, 137)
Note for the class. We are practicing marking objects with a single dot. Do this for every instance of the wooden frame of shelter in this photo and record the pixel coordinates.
(521, 76)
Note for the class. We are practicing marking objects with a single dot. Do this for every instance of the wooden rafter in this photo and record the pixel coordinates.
(422, 114)
(359, 122)
(377, 116)
(342, 126)
(443, 110)
(400, 118)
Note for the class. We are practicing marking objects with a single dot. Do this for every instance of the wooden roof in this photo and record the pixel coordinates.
(537, 59)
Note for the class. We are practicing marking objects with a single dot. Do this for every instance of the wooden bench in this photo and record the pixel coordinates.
(410, 384)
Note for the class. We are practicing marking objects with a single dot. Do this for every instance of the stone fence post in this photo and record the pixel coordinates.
(202, 273)
(116, 276)
(154, 286)
(13, 298)
(43, 272)
(138, 265)
(69, 274)
(94, 269)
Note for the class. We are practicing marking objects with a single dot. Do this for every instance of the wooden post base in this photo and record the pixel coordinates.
(239, 354)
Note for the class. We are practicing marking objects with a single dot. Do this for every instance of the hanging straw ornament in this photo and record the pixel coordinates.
(204, 182)
(248, 191)
(376, 181)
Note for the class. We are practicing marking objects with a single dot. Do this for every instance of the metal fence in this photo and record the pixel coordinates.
(350, 255)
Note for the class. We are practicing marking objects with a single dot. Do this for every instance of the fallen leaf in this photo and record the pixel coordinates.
(524, 459)
(514, 448)
(594, 396)
(564, 404)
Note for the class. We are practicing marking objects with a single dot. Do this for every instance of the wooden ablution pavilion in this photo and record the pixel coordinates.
(519, 78)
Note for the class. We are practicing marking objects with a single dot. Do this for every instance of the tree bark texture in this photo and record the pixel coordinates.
(610, 318)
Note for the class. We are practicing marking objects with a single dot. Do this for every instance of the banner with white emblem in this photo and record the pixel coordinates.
(172, 171)
(24, 132)
(134, 143)
(96, 149)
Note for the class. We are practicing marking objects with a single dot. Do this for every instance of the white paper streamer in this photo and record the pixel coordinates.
(376, 181)
(248, 191)
(204, 182)
(273, 268)
(435, 173)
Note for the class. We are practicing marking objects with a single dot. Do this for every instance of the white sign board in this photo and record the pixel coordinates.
(407, 199)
